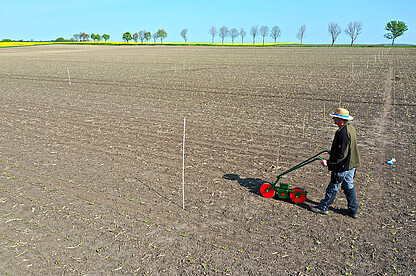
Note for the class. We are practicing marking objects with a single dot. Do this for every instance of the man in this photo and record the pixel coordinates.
(343, 160)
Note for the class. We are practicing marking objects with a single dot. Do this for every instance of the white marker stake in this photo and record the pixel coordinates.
(183, 165)
(69, 76)
(352, 69)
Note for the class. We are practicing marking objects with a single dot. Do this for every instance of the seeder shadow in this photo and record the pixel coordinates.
(252, 184)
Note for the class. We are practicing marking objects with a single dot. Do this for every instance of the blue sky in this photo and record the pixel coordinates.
(50, 19)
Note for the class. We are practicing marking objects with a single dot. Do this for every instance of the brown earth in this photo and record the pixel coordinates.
(91, 170)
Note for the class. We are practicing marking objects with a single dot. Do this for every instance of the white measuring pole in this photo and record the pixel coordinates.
(69, 76)
(183, 165)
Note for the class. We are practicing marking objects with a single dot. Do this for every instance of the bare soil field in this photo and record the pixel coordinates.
(91, 168)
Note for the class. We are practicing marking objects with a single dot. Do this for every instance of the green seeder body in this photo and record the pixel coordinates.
(297, 195)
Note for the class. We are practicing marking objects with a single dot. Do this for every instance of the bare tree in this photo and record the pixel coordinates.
(254, 31)
(213, 32)
(275, 33)
(353, 30)
(184, 33)
(155, 36)
(243, 34)
(135, 37)
(84, 36)
(141, 35)
(264, 30)
(224, 32)
(234, 33)
(301, 33)
(334, 30)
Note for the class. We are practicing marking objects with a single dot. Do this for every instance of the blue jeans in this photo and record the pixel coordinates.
(345, 180)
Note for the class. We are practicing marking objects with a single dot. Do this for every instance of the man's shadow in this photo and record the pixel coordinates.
(253, 185)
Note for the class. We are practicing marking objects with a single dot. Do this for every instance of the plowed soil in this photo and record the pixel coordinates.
(91, 141)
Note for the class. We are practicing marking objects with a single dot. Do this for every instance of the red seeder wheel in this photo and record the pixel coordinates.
(263, 190)
(297, 195)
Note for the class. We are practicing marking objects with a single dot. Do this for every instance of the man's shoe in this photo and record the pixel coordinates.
(347, 212)
(318, 211)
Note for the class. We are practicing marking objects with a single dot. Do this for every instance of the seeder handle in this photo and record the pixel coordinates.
(301, 164)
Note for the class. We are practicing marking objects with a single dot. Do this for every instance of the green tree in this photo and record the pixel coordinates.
(162, 35)
(96, 37)
(127, 37)
(147, 36)
(395, 29)
(106, 37)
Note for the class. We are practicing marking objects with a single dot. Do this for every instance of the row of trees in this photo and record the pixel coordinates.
(224, 32)
(394, 28)
(86, 37)
(353, 30)
(145, 35)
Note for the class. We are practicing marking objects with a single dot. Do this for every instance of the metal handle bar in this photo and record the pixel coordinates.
(301, 164)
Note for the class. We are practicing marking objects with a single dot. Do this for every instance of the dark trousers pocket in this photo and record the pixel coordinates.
(337, 177)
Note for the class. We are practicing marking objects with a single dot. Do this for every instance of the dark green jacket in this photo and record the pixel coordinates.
(344, 151)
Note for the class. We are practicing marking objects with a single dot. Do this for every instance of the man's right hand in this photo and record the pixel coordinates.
(324, 162)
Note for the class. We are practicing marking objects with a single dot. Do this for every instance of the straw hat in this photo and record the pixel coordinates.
(342, 113)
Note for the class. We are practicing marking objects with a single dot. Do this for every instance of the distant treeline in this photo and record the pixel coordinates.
(10, 40)
(394, 30)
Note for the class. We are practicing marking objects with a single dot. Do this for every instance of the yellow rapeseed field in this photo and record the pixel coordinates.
(18, 44)
(21, 44)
